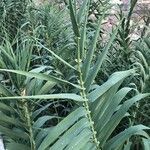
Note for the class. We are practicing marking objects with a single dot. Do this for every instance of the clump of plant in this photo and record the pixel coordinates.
(12, 16)
(51, 28)
(30, 97)
(121, 53)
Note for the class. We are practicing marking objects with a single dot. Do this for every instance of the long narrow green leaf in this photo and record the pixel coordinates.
(62, 127)
(114, 79)
(123, 136)
(9, 57)
(46, 88)
(92, 74)
(42, 120)
(55, 55)
(146, 144)
(111, 107)
(83, 30)
(40, 110)
(89, 56)
(69, 135)
(13, 134)
(89, 146)
(2, 64)
(116, 118)
(41, 134)
(4, 91)
(132, 5)
(4, 107)
(83, 40)
(9, 120)
(73, 19)
(80, 141)
(40, 76)
(142, 58)
(81, 11)
(99, 107)
(17, 146)
(50, 96)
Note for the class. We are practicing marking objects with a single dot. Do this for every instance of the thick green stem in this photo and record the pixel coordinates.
(28, 120)
(83, 94)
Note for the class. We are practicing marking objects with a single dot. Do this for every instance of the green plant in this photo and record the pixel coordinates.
(12, 16)
(51, 28)
(121, 52)
(142, 54)
(97, 110)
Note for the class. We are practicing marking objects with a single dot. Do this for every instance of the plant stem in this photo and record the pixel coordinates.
(28, 120)
(83, 94)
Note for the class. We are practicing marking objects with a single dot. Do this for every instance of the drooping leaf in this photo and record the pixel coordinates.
(114, 79)
(116, 118)
(123, 136)
(40, 76)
